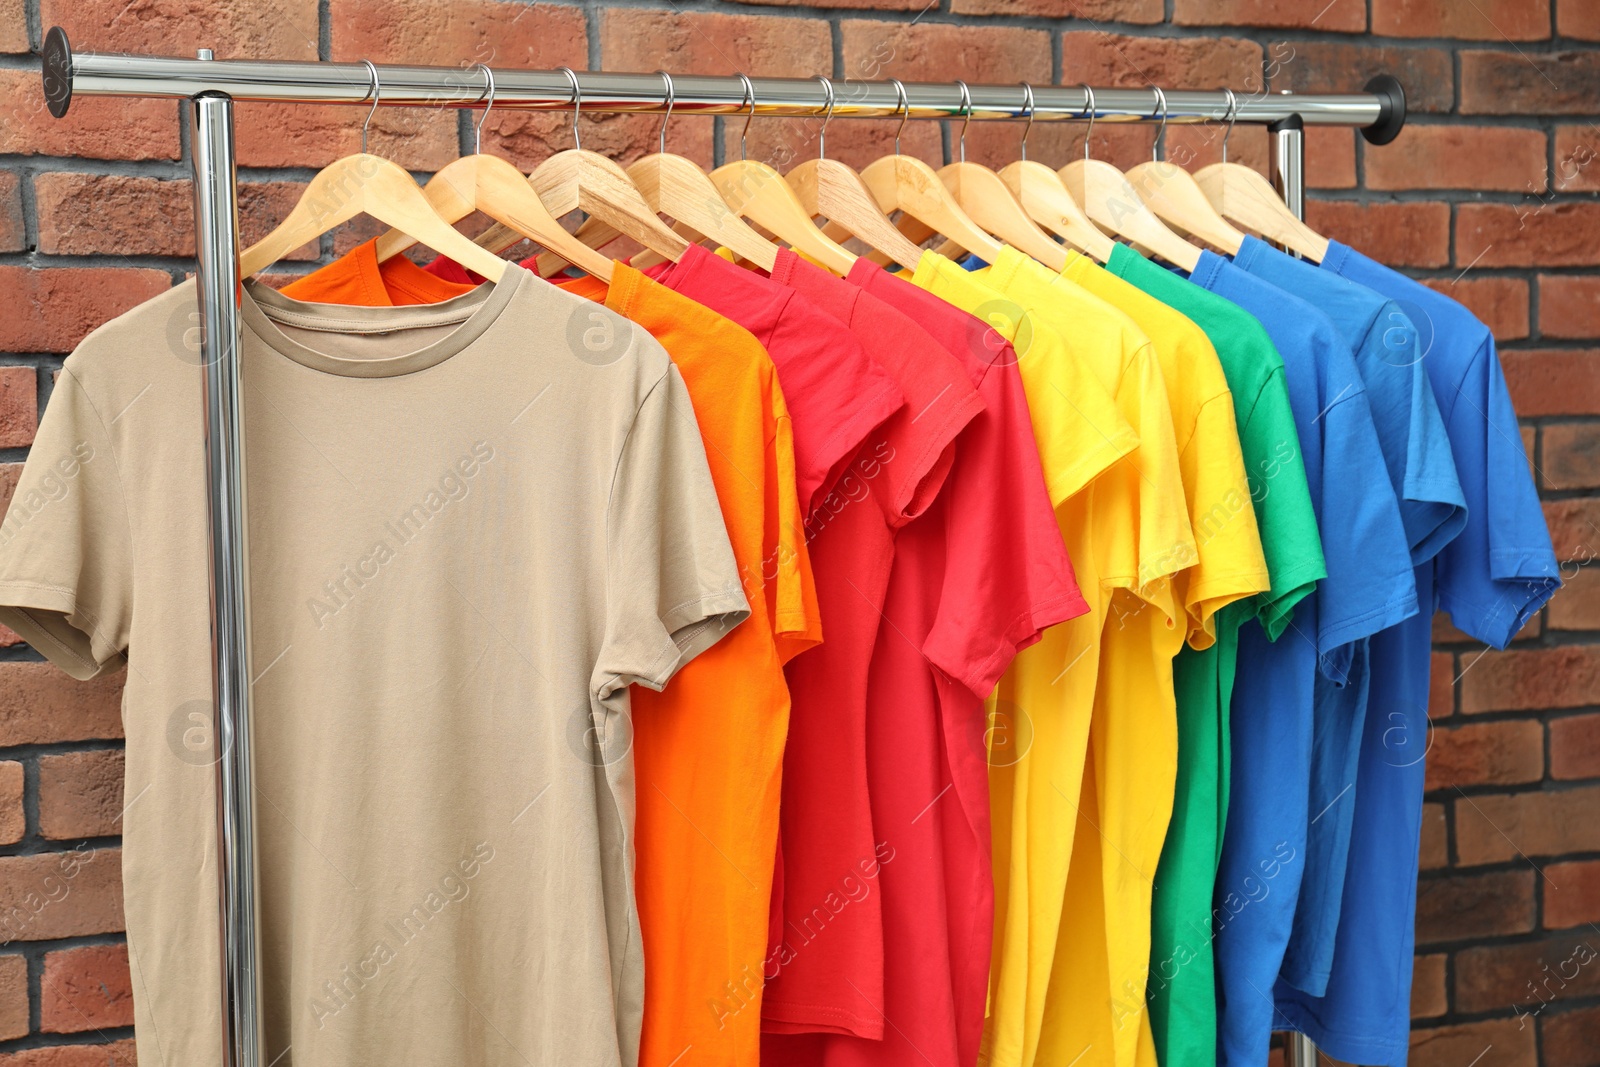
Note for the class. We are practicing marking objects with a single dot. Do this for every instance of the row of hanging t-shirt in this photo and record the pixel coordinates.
(975, 665)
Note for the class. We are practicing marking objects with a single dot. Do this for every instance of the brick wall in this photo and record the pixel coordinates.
(1489, 195)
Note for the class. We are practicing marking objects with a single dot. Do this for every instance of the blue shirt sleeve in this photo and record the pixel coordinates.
(1501, 568)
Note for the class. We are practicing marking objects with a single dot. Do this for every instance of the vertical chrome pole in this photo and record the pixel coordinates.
(217, 289)
(1289, 176)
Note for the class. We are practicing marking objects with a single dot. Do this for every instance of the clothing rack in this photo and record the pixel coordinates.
(212, 85)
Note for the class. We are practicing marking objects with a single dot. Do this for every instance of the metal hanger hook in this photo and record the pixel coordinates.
(1027, 96)
(966, 108)
(1088, 110)
(577, 104)
(1233, 114)
(1160, 141)
(661, 134)
(477, 134)
(375, 93)
(822, 135)
(904, 109)
(749, 93)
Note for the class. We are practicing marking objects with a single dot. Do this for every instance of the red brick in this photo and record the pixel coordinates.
(1571, 457)
(109, 1054)
(1427, 987)
(80, 794)
(1114, 60)
(460, 33)
(1441, 685)
(1330, 157)
(1528, 235)
(1007, 6)
(1576, 606)
(1571, 894)
(1577, 159)
(1480, 20)
(13, 820)
(40, 704)
(1569, 305)
(1493, 1043)
(1496, 753)
(1557, 967)
(19, 406)
(314, 135)
(13, 996)
(1502, 303)
(1336, 67)
(94, 128)
(1575, 747)
(1571, 1038)
(1581, 19)
(1493, 829)
(1402, 235)
(1528, 679)
(1460, 157)
(1553, 381)
(1135, 11)
(1574, 528)
(1340, 16)
(51, 895)
(50, 310)
(1435, 848)
(85, 214)
(86, 988)
(235, 29)
(13, 232)
(14, 28)
(1460, 907)
(1529, 83)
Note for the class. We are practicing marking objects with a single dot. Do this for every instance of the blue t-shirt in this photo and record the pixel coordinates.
(1491, 578)
(1416, 452)
(1368, 588)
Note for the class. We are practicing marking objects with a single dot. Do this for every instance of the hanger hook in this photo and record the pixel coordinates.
(904, 109)
(966, 108)
(1088, 110)
(822, 136)
(750, 94)
(1233, 114)
(661, 134)
(577, 104)
(1027, 96)
(1160, 141)
(477, 134)
(375, 92)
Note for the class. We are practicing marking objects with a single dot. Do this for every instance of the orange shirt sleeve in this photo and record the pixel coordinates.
(791, 589)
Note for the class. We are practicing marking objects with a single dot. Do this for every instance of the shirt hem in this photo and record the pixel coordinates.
(22, 598)
(1390, 614)
(1070, 481)
(817, 1019)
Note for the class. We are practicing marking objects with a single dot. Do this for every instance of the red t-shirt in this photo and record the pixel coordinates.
(975, 579)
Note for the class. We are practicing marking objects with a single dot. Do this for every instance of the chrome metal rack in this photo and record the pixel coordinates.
(212, 85)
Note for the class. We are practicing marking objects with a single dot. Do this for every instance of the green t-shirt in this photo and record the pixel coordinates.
(1181, 990)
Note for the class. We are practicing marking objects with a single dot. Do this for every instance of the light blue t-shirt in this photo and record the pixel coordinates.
(1368, 587)
(1492, 577)
(1416, 452)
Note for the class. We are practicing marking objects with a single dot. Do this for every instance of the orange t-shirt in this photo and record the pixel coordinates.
(708, 751)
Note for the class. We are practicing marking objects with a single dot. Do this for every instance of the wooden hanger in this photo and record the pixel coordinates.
(365, 184)
(1169, 191)
(907, 184)
(578, 178)
(678, 188)
(1047, 201)
(1247, 198)
(498, 189)
(759, 193)
(985, 198)
(1112, 204)
(831, 189)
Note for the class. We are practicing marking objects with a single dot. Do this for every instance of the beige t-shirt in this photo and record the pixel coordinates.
(472, 526)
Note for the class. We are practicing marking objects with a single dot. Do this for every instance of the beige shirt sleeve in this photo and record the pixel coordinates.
(66, 570)
(672, 585)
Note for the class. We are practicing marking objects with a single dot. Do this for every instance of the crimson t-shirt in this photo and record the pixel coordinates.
(975, 580)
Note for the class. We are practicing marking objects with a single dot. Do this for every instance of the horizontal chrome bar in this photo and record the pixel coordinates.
(109, 74)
